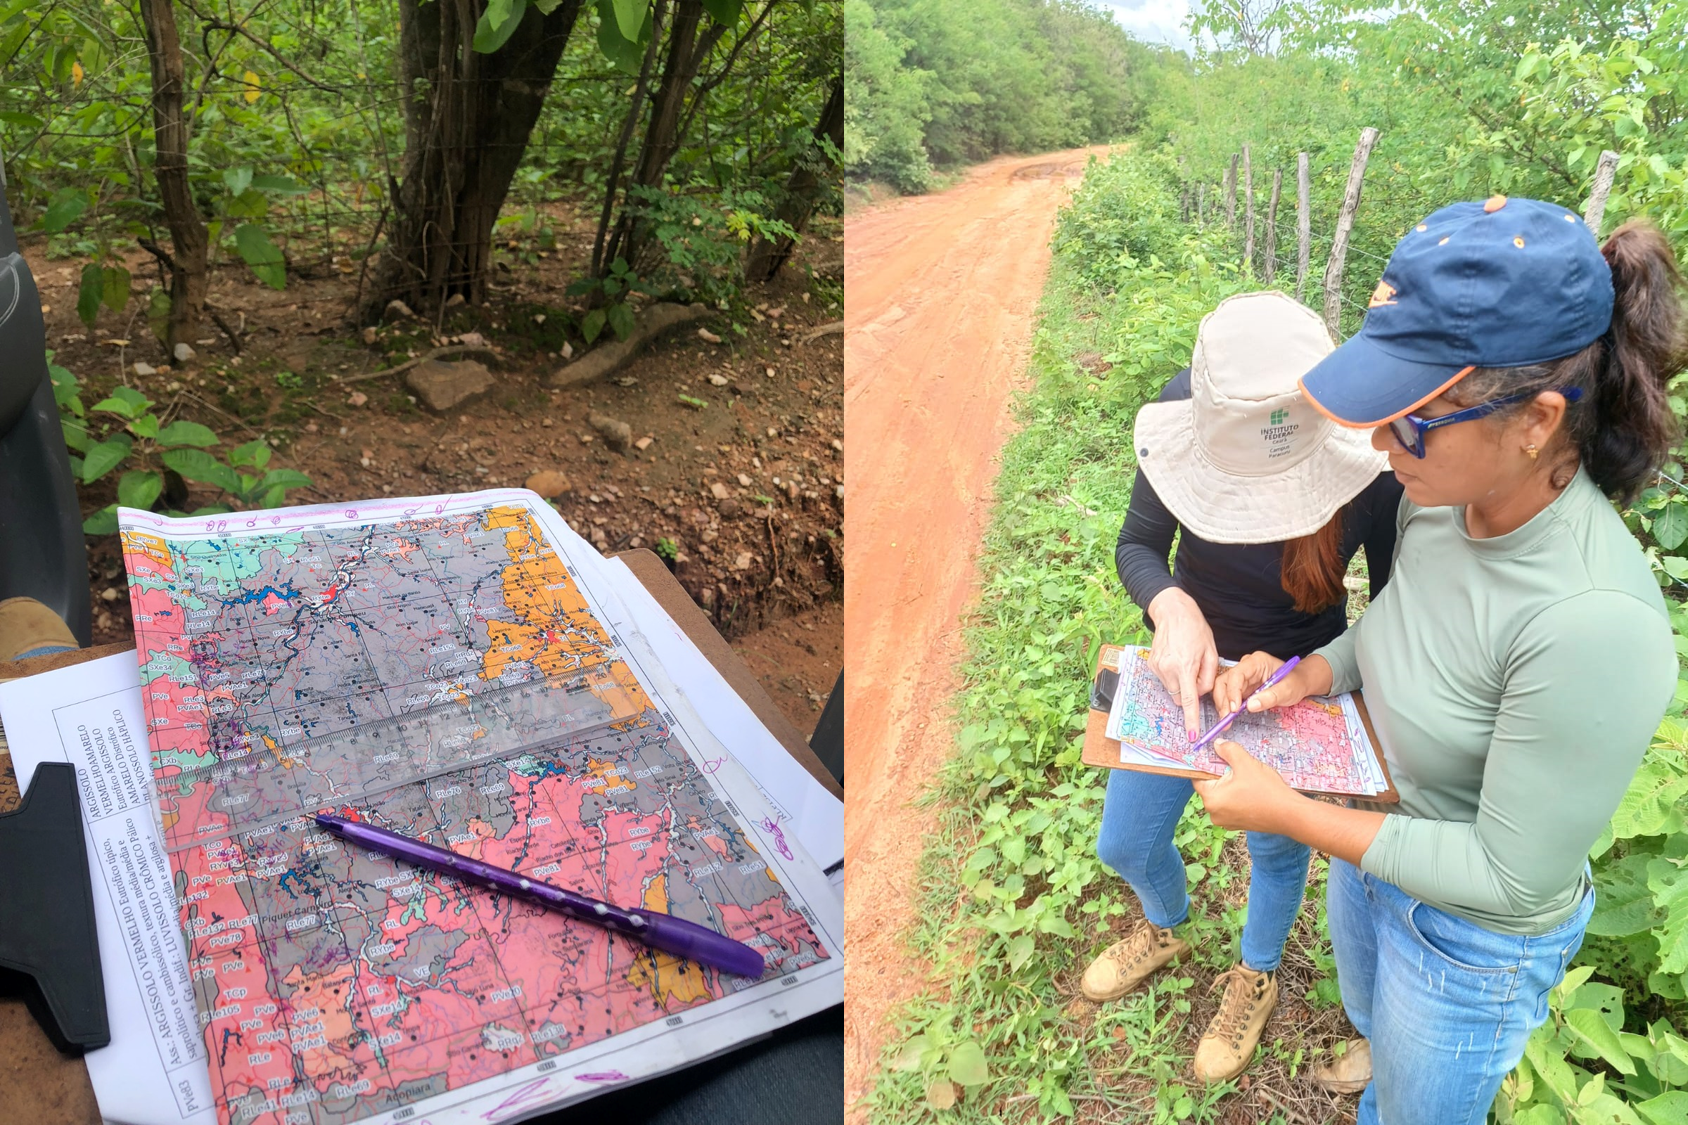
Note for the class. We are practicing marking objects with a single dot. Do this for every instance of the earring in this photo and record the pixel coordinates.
(1532, 451)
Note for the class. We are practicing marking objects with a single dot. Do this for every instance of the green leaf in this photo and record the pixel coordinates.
(630, 17)
(497, 24)
(186, 433)
(1670, 527)
(1594, 1033)
(102, 522)
(626, 54)
(90, 294)
(910, 1056)
(146, 426)
(1675, 566)
(198, 465)
(114, 288)
(66, 207)
(1667, 1109)
(138, 488)
(967, 1064)
(285, 478)
(255, 454)
(249, 204)
(104, 457)
(237, 180)
(592, 324)
(621, 319)
(261, 254)
(1020, 951)
(724, 11)
(75, 436)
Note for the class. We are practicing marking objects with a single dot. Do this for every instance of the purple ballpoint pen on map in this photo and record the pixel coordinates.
(1219, 727)
(654, 928)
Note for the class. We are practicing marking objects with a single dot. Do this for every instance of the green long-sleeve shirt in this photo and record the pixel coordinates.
(1514, 683)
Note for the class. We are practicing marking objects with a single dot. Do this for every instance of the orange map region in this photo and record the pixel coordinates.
(335, 984)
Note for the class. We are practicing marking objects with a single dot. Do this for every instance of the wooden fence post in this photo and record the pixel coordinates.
(1231, 194)
(1271, 262)
(1595, 212)
(1344, 225)
(1248, 213)
(1303, 223)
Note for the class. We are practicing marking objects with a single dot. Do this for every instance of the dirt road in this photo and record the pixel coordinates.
(940, 293)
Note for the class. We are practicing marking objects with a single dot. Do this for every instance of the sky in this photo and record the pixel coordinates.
(1153, 21)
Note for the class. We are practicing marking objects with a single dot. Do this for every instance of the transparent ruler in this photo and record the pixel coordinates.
(261, 782)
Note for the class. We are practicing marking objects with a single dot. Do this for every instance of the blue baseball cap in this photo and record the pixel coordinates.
(1504, 283)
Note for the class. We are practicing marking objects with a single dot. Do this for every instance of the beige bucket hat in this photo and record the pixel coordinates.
(1246, 458)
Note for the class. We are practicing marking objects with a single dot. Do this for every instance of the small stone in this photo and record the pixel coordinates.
(730, 509)
(444, 386)
(454, 301)
(545, 423)
(742, 562)
(369, 334)
(145, 369)
(718, 490)
(310, 427)
(595, 498)
(549, 484)
(618, 435)
(744, 481)
(110, 593)
(183, 352)
(643, 444)
(838, 445)
(367, 459)
(587, 439)
(356, 398)
(707, 336)
(773, 432)
(791, 491)
(770, 372)
(539, 318)
(472, 340)
(718, 380)
(396, 309)
(568, 350)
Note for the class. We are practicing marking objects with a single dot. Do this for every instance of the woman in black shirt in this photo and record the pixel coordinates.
(1268, 503)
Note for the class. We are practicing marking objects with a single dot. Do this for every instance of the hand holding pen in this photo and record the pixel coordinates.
(1245, 685)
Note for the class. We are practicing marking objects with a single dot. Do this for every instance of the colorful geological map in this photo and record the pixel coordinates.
(335, 984)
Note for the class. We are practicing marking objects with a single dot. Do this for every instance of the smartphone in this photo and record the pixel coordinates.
(1102, 690)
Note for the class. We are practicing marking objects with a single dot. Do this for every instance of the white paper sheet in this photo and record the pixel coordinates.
(90, 715)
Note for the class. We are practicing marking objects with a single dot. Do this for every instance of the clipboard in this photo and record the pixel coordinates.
(1103, 752)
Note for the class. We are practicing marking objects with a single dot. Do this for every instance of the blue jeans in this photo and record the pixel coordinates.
(1446, 1003)
(1138, 818)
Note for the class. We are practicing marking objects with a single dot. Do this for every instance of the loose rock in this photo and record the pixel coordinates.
(396, 309)
(549, 484)
(718, 490)
(444, 386)
(455, 300)
(742, 562)
(643, 444)
(145, 369)
(618, 435)
(718, 380)
(184, 352)
(744, 481)
(369, 334)
(707, 336)
(357, 398)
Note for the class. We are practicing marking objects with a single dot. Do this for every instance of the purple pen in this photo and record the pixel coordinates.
(654, 928)
(1219, 727)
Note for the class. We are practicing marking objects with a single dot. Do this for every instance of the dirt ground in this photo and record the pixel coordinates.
(746, 490)
(942, 292)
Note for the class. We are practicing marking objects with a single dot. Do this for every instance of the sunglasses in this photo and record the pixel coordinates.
(1409, 429)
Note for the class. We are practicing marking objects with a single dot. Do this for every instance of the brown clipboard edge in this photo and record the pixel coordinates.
(1103, 752)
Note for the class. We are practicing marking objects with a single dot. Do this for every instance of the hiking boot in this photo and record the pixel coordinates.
(1348, 1072)
(1235, 1029)
(1126, 964)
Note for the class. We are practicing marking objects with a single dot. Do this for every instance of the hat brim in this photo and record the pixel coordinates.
(1360, 385)
(1224, 507)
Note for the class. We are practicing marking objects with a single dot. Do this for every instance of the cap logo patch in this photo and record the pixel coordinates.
(1384, 294)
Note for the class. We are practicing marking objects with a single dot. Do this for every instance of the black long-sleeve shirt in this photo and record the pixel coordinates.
(1239, 587)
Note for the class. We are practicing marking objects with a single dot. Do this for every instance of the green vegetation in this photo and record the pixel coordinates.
(1471, 99)
(932, 84)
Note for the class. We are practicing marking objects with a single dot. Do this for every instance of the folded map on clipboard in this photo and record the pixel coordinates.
(281, 655)
(1321, 745)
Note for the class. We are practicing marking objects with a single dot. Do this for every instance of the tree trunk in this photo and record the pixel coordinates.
(801, 189)
(188, 279)
(689, 44)
(463, 142)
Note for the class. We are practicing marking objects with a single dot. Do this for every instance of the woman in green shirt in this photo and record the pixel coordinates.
(1519, 660)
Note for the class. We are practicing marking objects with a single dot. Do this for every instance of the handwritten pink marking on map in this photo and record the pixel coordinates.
(771, 826)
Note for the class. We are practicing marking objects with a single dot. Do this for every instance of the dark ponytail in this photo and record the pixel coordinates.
(1623, 430)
